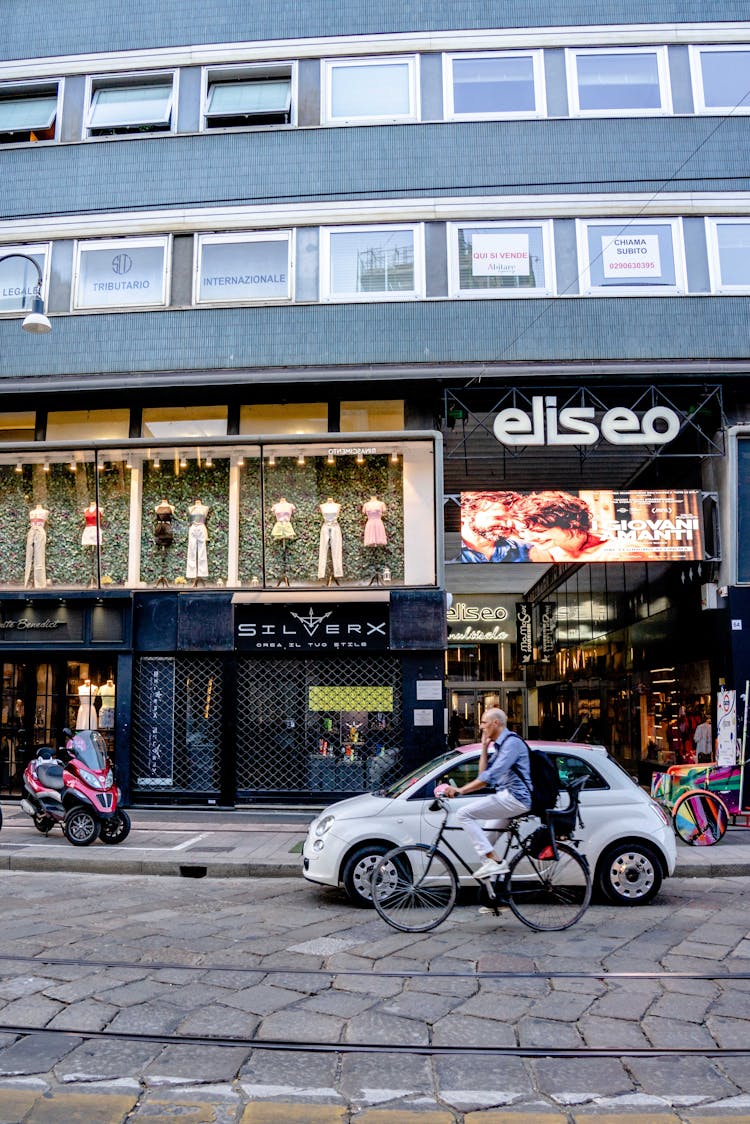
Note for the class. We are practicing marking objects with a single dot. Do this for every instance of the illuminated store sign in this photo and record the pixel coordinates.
(322, 626)
(576, 425)
(480, 620)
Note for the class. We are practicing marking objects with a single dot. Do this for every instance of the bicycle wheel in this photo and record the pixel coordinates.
(549, 894)
(700, 817)
(414, 888)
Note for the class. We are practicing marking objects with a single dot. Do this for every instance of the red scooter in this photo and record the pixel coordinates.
(79, 793)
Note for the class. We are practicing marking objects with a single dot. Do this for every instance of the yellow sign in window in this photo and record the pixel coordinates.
(350, 698)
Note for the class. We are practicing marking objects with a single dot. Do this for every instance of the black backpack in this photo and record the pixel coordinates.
(545, 782)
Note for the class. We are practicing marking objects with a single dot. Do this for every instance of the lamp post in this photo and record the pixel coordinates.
(36, 321)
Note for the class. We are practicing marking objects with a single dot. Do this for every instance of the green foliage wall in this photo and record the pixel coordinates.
(181, 487)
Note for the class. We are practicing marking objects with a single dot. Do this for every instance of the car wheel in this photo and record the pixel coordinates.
(628, 874)
(357, 872)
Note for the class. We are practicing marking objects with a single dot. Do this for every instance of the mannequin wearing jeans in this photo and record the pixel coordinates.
(36, 548)
(197, 557)
(330, 539)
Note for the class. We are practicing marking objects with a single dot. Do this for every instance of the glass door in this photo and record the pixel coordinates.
(467, 705)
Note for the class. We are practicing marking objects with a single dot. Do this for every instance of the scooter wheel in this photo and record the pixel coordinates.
(43, 823)
(116, 829)
(81, 827)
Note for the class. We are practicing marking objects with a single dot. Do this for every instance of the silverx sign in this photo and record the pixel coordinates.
(576, 425)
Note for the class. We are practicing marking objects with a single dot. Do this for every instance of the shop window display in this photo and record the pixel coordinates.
(342, 505)
(185, 519)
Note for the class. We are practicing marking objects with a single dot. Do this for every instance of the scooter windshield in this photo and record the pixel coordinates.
(90, 749)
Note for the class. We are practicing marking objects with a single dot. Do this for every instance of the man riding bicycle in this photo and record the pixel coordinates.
(503, 766)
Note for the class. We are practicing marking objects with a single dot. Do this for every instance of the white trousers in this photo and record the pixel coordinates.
(36, 546)
(197, 558)
(330, 539)
(499, 808)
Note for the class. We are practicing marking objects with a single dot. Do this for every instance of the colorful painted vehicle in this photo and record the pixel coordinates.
(701, 800)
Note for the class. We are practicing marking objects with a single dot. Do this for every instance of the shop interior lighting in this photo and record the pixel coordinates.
(46, 466)
(209, 463)
(183, 462)
(394, 457)
(156, 462)
(19, 467)
(330, 459)
(271, 460)
(240, 462)
(73, 466)
(301, 459)
(360, 458)
(129, 462)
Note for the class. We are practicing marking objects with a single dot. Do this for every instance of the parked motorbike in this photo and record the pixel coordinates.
(75, 788)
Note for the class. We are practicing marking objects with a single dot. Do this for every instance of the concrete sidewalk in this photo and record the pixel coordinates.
(257, 842)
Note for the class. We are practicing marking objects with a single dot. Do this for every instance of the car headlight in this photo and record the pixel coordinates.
(324, 825)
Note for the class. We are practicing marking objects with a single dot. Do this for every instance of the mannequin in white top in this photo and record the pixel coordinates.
(86, 717)
(35, 572)
(197, 556)
(107, 712)
(330, 539)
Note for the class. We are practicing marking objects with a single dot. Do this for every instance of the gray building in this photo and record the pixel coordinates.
(341, 308)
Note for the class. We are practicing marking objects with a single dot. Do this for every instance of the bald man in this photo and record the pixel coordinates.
(503, 765)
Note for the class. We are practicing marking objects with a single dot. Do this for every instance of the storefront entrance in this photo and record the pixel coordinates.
(40, 697)
(467, 704)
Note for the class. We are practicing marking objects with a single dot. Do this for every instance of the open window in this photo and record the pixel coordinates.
(28, 113)
(248, 96)
(138, 104)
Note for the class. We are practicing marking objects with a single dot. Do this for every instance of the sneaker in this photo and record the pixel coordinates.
(486, 911)
(491, 869)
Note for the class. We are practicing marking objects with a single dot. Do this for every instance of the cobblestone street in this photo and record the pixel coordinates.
(135, 963)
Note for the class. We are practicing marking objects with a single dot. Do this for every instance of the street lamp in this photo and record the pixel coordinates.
(36, 321)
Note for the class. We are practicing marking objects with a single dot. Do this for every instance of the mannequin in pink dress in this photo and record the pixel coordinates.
(375, 534)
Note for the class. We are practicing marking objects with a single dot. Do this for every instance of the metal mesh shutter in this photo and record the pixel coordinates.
(329, 725)
(177, 724)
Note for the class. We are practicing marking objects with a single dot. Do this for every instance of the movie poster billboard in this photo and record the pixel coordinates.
(657, 525)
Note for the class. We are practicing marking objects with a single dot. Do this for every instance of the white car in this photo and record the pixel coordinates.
(626, 836)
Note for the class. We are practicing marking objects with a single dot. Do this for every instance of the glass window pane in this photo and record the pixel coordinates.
(380, 90)
(501, 258)
(360, 417)
(295, 417)
(733, 240)
(239, 98)
(500, 85)
(244, 271)
(726, 78)
(121, 275)
(130, 105)
(618, 81)
(18, 278)
(18, 427)
(22, 115)
(88, 425)
(188, 421)
(635, 255)
(373, 261)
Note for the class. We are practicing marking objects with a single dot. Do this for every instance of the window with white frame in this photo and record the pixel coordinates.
(28, 113)
(122, 273)
(500, 259)
(370, 90)
(18, 277)
(137, 104)
(628, 81)
(631, 256)
(243, 97)
(721, 78)
(729, 254)
(494, 84)
(243, 268)
(372, 263)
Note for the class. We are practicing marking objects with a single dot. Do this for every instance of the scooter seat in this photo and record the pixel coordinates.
(50, 775)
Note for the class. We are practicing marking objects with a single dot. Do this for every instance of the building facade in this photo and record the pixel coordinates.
(340, 308)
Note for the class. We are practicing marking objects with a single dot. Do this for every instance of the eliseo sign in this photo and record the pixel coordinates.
(575, 425)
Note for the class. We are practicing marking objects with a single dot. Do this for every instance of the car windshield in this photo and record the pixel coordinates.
(90, 749)
(403, 784)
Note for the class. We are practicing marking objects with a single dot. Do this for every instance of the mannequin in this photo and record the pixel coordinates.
(36, 548)
(163, 531)
(375, 534)
(93, 521)
(330, 539)
(86, 717)
(107, 712)
(282, 528)
(197, 557)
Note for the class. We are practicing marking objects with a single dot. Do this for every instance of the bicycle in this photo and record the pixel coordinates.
(547, 886)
